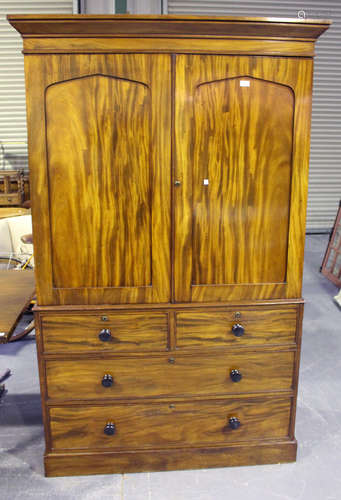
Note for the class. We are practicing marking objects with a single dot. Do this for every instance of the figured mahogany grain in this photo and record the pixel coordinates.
(173, 375)
(241, 141)
(119, 108)
(114, 462)
(130, 331)
(263, 326)
(98, 146)
(168, 424)
(99, 140)
(154, 25)
(243, 147)
(206, 45)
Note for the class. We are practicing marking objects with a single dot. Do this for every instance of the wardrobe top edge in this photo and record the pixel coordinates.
(45, 25)
(166, 17)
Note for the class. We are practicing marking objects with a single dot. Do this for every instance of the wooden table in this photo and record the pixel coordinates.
(16, 293)
(13, 212)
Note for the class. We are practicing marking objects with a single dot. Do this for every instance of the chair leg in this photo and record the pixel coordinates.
(23, 333)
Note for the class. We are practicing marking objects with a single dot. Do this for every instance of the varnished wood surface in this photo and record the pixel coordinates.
(226, 257)
(13, 212)
(105, 462)
(296, 370)
(26, 196)
(184, 290)
(166, 17)
(220, 45)
(158, 425)
(84, 72)
(210, 306)
(16, 291)
(171, 375)
(105, 158)
(243, 147)
(149, 330)
(129, 332)
(42, 378)
(116, 25)
(202, 329)
(118, 245)
(92, 462)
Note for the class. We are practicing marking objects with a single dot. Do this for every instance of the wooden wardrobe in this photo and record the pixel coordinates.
(169, 168)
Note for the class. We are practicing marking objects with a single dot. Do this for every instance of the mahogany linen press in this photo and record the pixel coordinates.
(169, 170)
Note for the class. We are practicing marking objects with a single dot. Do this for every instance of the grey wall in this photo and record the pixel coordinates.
(133, 6)
(98, 6)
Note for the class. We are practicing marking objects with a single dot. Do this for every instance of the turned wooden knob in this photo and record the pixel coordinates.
(235, 375)
(110, 429)
(107, 380)
(104, 335)
(238, 330)
(234, 423)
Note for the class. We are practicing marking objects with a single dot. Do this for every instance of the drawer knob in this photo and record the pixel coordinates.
(107, 380)
(235, 375)
(110, 429)
(238, 330)
(104, 335)
(234, 423)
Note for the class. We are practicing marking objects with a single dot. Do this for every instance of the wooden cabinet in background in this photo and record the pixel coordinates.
(169, 169)
(12, 190)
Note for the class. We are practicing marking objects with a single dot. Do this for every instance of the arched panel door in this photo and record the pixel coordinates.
(234, 159)
(98, 145)
(106, 143)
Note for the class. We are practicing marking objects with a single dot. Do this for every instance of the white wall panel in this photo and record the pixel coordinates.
(13, 136)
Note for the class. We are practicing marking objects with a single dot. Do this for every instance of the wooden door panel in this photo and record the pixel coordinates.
(102, 227)
(235, 157)
(242, 146)
(98, 147)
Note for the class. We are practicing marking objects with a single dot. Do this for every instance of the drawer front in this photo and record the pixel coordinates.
(126, 332)
(217, 328)
(158, 424)
(178, 375)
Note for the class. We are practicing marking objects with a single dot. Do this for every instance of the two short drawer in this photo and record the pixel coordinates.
(150, 331)
(164, 424)
(105, 332)
(170, 375)
(232, 327)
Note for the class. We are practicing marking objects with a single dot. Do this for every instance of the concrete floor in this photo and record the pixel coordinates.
(315, 476)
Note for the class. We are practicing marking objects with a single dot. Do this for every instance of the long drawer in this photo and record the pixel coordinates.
(164, 376)
(134, 426)
(242, 326)
(112, 332)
